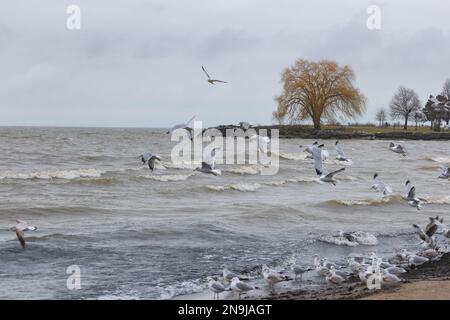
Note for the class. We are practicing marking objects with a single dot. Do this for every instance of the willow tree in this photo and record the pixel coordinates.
(316, 90)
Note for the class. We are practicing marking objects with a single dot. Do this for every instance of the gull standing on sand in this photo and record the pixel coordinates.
(397, 148)
(150, 158)
(334, 278)
(300, 270)
(216, 287)
(340, 153)
(272, 277)
(211, 81)
(415, 260)
(20, 228)
(325, 176)
(208, 166)
(240, 287)
(413, 201)
(228, 275)
(445, 174)
(379, 186)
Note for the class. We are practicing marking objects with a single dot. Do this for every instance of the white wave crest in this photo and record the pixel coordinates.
(438, 200)
(439, 159)
(352, 240)
(58, 174)
(168, 178)
(250, 169)
(244, 187)
(180, 165)
(293, 155)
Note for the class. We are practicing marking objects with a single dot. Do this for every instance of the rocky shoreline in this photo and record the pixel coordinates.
(308, 132)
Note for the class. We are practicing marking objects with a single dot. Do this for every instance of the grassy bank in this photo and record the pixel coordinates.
(358, 132)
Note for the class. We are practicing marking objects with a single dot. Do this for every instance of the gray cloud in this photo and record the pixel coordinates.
(138, 63)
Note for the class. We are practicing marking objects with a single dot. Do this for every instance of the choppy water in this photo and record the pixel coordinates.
(137, 235)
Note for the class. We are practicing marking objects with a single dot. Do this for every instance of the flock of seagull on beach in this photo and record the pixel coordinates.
(365, 269)
(356, 266)
(333, 273)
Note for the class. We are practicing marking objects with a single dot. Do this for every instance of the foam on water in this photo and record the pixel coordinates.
(57, 174)
(167, 178)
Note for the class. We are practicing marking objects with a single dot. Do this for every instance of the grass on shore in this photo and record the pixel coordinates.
(376, 129)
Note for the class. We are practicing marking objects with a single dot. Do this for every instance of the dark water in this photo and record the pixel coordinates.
(151, 236)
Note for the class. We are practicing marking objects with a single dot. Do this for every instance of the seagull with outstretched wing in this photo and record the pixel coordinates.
(210, 80)
(325, 176)
(379, 186)
(413, 201)
(20, 228)
(208, 165)
(150, 158)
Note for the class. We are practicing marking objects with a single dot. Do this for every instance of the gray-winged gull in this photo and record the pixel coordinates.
(413, 201)
(210, 80)
(325, 176)
(272, 277)
(379, 186)
(150, 158)
(397, 148)
(20, 228)
(240, 287)
(216, 287)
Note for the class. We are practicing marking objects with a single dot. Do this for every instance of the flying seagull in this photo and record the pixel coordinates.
(216, 287)
(185, 126)
(340, 153)
(309, 148)
(445, 174)
(397, 148)
(208, 166)
(379, 186)
(20, 228)
(325, 176)
(262, 142)
(211, 81)
(149, 158)
(239, 287)
(413, 201)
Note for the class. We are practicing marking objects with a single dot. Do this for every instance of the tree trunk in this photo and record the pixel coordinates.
(316, 124)
(406, 122)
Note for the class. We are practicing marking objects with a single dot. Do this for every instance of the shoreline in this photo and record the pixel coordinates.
(306, 132)
(429, 281)
(344, 132)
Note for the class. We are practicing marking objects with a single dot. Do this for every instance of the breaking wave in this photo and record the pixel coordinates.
(439, 159)
(355, 239)
(58, 174)
(167, 178)
(244, 187)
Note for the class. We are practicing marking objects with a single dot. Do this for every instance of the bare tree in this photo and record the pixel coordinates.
(381, 116)
(316, 90)
(446, 89)
(404, 103)
(418, 117)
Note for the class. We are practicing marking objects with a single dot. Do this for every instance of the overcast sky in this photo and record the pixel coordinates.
(138, 62)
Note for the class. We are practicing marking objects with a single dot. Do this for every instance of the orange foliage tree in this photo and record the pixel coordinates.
(316, 90)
